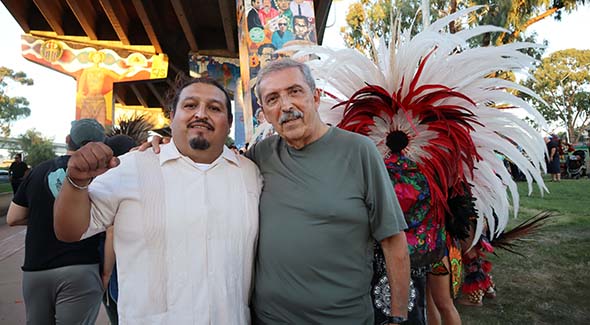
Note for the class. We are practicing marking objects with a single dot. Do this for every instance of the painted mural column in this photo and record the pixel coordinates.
(264, 27)
(95, 70)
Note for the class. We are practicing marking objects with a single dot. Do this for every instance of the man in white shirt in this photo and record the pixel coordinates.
(185, 221)
(302, 8)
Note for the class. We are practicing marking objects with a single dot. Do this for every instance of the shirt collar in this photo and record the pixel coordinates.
(170, 152)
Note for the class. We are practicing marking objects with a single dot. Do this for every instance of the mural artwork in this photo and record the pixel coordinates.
(95, 71)
(264, 28)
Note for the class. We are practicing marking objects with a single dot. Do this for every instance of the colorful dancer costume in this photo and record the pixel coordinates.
(478, 282)
(430, 106)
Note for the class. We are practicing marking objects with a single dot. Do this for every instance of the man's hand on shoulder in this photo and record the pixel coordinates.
(154, 144)
(91, 160)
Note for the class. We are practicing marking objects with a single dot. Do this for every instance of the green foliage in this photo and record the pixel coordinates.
(5, 188)
(229, 141)
(563, 81)
(368, 19)
(37, 148)
(12, 108)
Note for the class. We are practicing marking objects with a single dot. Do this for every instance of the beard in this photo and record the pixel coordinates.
(199, 143)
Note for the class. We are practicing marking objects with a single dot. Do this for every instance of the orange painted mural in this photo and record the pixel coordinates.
(95, 70)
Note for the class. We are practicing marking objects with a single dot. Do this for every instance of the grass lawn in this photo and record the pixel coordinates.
(551, 284)
(5, 187)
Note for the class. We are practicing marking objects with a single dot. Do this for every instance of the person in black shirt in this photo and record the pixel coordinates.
(16, 172)
(61, 281)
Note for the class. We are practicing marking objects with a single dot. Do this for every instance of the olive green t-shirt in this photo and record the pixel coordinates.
(320, 210)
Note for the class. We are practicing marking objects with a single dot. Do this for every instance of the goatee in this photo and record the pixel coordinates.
(199, 143)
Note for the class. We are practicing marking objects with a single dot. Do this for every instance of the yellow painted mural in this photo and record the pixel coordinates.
(95, 70)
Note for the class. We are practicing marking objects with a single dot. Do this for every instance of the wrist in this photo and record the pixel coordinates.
(395, 320)
(78, 184)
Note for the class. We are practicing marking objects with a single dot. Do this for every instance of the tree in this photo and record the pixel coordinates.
(37, 148)
(12, 108)
(367, 19)
(563, 81)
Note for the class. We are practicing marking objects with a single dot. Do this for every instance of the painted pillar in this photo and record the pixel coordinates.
(95, 70)
(265, 26)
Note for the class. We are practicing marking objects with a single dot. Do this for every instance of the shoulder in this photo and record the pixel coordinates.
(247, 164)
(352, 138)
(248, 168)
(133, 156)
(263, 148)
(50, 166)
(357, 146)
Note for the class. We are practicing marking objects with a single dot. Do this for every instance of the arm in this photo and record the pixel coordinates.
(72, 206)
(109, 257)
(17, 215)
(552, 152)
(397, 261)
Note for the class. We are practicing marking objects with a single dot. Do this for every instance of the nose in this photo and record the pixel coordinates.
(201, 111)
(285, 103)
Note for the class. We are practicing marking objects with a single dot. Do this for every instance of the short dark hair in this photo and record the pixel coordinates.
(266, 46)
(300, 17)
(183, 82)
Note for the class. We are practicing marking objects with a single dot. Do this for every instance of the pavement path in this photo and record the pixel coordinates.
(12, 254)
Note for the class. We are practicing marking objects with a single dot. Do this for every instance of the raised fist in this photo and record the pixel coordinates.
(93, 159)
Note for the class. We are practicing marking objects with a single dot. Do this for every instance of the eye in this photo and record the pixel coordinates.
(190, 105)
(215, 108)
(295, 91)
(271, 100)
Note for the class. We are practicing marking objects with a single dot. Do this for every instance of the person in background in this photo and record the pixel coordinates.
(264, 129)
(285, 11)
(17, 171)
(267, 12)
(302, 30)
(553, 164)
(253, 15)
(61, 281)
(281, 35)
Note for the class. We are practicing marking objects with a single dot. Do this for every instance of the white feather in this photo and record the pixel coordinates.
(464, 69)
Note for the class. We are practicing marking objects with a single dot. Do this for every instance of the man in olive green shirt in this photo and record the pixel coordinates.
(326, 198)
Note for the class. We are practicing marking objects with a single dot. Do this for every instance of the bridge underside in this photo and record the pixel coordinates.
(173, 27)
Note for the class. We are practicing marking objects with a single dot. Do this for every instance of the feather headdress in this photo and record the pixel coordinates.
(430, 96)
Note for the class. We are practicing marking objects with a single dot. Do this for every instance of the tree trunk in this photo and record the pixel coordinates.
(452, 28)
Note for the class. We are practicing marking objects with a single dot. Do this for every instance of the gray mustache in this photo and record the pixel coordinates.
(290, 115)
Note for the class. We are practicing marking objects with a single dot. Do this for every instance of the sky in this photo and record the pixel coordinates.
(52, 97)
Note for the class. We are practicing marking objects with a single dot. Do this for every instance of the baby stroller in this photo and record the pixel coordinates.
(576, 164)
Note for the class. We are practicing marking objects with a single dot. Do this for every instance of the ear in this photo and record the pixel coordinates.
(316, 99)
(68, 139)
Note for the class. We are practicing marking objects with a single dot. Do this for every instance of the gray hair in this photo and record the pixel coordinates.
(280, 65)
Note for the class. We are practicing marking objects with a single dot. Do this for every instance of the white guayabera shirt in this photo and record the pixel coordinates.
(184, 237)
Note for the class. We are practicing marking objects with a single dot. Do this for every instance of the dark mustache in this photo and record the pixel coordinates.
(290, 115)
(201, 121)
